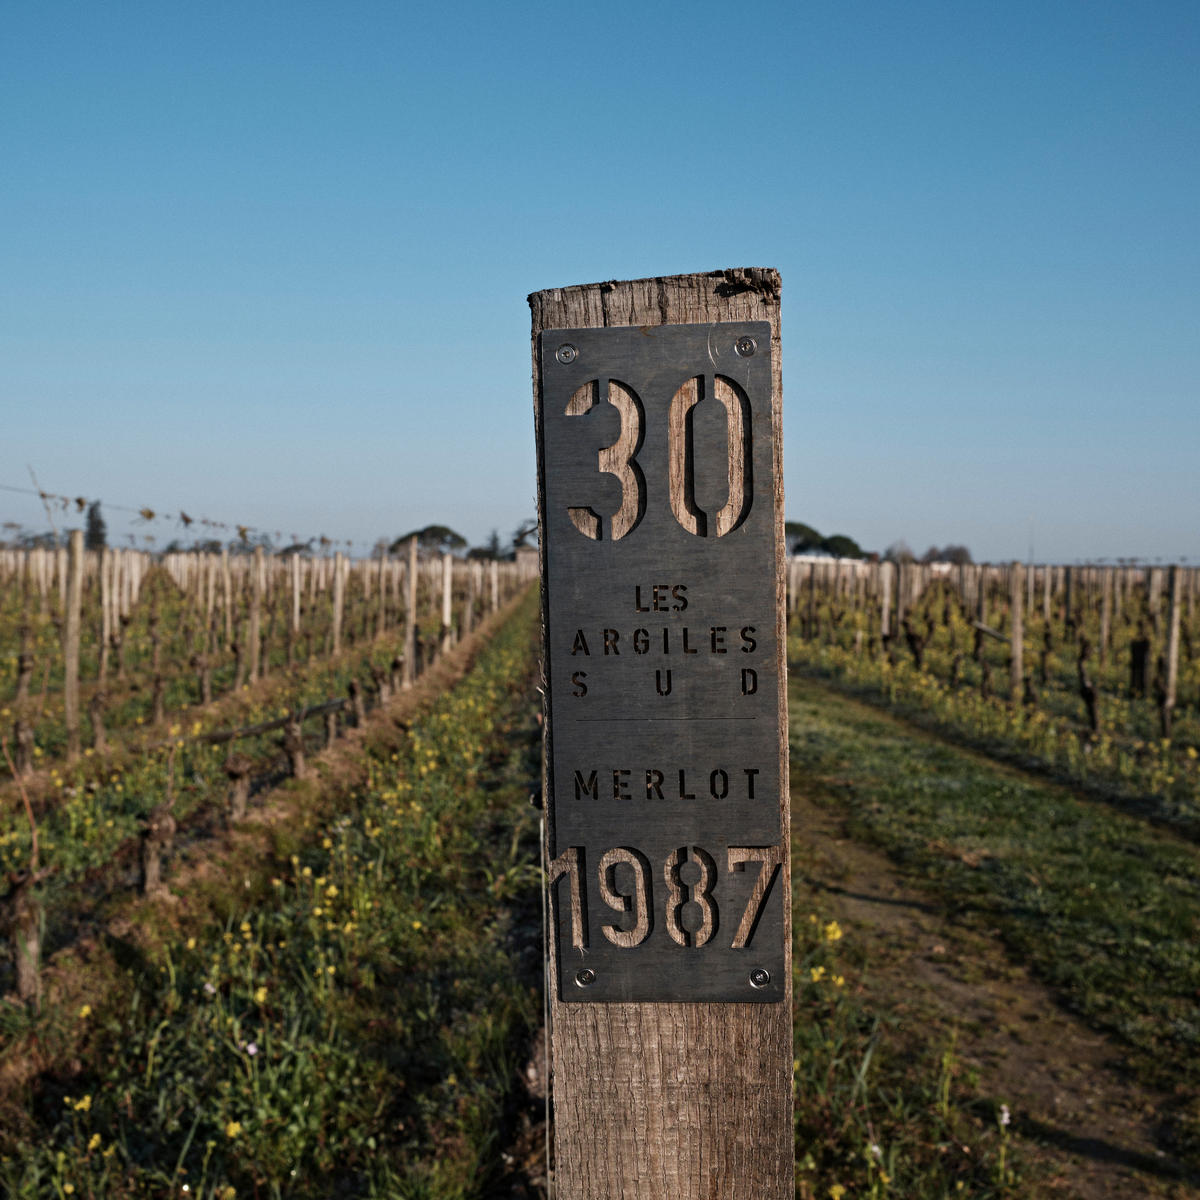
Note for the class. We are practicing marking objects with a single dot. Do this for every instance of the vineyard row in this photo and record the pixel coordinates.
(1092, 671)
(94, 641)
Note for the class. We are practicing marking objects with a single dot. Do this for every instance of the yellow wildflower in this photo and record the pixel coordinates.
(833, 931)
(260, 996)
(93, 1142)
(817, 973)
(233, 1129)
(83, 1105)
(85, 1011)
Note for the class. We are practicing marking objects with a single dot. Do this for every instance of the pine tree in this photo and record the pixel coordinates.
(95, 537)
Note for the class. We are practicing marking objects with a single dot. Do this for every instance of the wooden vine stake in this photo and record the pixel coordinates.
(410, 615)
(74, 603)
(658, 412)
(1016, 667)
(1172, 652)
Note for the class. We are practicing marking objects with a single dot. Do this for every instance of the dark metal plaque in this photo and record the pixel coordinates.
(661, 661)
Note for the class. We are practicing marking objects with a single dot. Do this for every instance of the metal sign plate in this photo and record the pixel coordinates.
(661, 661)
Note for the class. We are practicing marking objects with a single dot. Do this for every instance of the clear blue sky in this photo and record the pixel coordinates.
(267, 263)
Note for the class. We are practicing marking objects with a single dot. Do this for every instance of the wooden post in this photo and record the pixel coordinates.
(339, 600)
(1016, 604)
(293, 744)
(672, 1081)
(433, 577)
(227, 595)
(1106, 591)
(71, 641)
(106, 563)
(294, 627)
(254, 635)
(472, 591)
(381, 613)
(1168, 703)
(409, 675)
(886, 571)
(447, 598)
(238, 768)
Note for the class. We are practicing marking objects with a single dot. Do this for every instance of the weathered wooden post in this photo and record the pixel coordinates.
(410, 615)
(1172, 651)
(1016, 662)
(339, 600)
(296, 566)
(886, 571)
(658, 406)
(1105, 614)
(238, 768)
(447, 629)
(254, 636)
(74, 605)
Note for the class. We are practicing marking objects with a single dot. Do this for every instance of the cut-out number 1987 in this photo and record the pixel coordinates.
(630, 892)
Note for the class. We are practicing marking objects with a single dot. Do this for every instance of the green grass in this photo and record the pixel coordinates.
(353, 1026)
(1102, 906)
(882, 1110)
(1126, 760)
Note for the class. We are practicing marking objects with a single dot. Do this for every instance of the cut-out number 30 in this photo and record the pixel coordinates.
(620, 459)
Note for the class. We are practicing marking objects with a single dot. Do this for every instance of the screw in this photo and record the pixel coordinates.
(566, 353)
(760, 977)
(745, 346)
(586, 977)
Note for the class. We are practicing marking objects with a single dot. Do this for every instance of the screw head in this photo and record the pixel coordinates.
(585, 977)
(745, 346)
(760, 977)
(566, 353)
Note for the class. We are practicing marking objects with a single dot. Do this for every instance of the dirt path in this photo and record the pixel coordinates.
(1072, 1105)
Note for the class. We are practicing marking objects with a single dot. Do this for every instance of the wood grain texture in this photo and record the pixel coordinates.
(679, 1101)
(71, 640)
(1016, 662)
